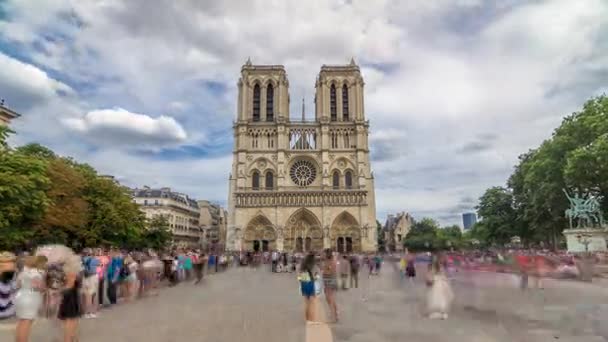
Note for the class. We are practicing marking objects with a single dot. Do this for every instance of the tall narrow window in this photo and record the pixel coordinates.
(255, 180)
(270, 103)
(346, 141)
(336, 179)
(348, 179)
(345, 103)
(269, 180)
(333, 108)
(256, 102)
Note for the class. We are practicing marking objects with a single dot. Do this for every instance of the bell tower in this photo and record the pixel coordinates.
(262, 93)
(339, 93)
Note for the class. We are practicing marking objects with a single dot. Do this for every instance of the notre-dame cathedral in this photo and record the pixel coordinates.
(301, 185)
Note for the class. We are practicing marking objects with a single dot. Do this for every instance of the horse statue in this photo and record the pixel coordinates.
(586, 211)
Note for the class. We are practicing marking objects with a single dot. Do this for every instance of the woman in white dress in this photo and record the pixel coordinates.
(30, 284)
(440, 295)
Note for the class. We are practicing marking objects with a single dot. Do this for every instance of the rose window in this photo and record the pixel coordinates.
(303, 173)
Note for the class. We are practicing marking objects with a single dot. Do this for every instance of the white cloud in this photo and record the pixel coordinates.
(26, 85)
(119, 126)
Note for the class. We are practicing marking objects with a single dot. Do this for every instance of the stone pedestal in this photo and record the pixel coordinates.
(596, 238)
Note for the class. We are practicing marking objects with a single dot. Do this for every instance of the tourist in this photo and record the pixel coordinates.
(113, 275)
(410, 267)
(28, 301)
(90, 284)
(7, 284)
(130, 281)
(330, 283)
(439, 296)
(377, 263)
(344, 266)
(174, 271)
(402, 265)
(275, 260)
(199, 268)
(188, 266)
(307, 277)
(69, 308)
(102, 268)
(354, 271)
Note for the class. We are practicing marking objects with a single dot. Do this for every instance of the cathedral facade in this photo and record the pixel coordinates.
(306, 184)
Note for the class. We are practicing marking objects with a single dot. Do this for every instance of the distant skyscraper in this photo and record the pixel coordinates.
(469, 220)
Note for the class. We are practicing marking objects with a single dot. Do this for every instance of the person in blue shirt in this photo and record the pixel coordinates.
(113, 275)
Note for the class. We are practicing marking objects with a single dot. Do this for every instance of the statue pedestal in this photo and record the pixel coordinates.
(594, 237)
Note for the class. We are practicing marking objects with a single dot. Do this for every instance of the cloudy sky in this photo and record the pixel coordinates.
(455, 90)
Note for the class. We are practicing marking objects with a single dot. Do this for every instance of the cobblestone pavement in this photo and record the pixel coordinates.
(249, 305)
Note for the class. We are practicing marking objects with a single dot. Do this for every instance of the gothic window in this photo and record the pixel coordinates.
(256, 102)
(345, 103)
(336, 180)
(269, 180)
(270, 138)
(348, 179)
(333, 108)
(270, 103)
(255, 180)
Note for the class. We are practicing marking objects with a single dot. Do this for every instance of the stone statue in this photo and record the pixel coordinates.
(586, 211)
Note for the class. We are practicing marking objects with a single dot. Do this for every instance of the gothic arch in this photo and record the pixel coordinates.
(303, 232)
(345, 230)
(259, 232)
(262, 164)
(346, 164)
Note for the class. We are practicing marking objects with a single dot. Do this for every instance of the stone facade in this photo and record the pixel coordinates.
(301, 184)
(396, 229)
(6, 115)
(181, 211)
(213, 220)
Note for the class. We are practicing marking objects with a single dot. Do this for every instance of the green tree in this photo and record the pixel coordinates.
(23, 200)
(157, 234)
(498, 215)
(423, 236)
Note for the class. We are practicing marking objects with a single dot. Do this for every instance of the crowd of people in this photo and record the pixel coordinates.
(54, 282)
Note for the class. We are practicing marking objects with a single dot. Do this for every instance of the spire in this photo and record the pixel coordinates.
(303, 110)
(352, 61)
(248, 63)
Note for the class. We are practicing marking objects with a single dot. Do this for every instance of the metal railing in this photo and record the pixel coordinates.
(299, 189)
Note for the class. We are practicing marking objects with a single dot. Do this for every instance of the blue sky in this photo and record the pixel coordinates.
(455, 90)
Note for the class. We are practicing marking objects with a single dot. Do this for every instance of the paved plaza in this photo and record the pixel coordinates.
(255, 305)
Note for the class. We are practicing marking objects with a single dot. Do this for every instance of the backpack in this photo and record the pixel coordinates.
(124, 271)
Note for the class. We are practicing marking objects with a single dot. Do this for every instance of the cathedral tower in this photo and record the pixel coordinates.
(301, 185)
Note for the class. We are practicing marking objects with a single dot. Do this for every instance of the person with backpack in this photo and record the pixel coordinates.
(90, 284)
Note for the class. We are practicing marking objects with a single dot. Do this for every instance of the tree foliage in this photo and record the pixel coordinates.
(533, 204)
(428, 235)
(45, 198)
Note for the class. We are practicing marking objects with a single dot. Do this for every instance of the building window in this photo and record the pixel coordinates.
(348, 179)
(255, 180)
(256, 102)
(155, 202)
(333, 108)
(346, 140)
(336, 180)
(145, 202)
(269, 180)
(270, 103)
(345, 103)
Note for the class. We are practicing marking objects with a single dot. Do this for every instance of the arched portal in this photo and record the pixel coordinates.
(259, 235)
(345, 234)
(303, 232)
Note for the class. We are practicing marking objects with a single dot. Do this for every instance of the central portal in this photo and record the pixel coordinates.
(303, 232)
